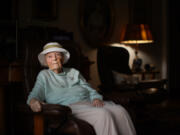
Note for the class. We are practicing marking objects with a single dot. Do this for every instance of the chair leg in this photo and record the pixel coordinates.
(38, 124)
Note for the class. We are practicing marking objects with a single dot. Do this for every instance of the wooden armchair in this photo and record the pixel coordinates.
(53, 119)
(58, 118)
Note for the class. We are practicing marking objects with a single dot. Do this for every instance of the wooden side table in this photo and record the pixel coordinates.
(147, 75)
(152, 74)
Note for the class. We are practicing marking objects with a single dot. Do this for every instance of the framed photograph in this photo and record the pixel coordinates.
(44, 9)
(8, 10)
(96, 21)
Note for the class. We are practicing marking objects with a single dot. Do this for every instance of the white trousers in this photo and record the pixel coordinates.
(111, 119)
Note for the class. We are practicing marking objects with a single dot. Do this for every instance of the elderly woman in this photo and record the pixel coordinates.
(66, 86)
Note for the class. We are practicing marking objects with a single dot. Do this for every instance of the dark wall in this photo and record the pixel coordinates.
(174, 52)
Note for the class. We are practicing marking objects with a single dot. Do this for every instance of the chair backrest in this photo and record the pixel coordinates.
(32, 46)
(112, 59)
(33, 43)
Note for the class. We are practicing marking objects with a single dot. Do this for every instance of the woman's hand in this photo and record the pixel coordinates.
(97, 103)
(35, 105)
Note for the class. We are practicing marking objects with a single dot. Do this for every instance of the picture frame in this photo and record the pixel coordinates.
(44, 9)
(8, 10)
(96, 21)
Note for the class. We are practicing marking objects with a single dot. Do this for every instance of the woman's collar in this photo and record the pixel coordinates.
(61, 73)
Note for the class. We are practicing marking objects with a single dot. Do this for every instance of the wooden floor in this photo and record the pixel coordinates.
(159, 119)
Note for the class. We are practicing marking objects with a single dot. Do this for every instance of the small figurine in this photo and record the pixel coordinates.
(137, 62)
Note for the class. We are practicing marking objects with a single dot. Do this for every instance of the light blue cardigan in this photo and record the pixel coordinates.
(64, 88)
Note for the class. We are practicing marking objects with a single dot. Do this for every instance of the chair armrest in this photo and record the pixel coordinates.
(54, 114)
(55, 109)
(47, 109)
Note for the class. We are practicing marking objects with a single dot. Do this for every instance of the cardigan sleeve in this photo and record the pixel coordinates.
(38, 91)
(92, 92)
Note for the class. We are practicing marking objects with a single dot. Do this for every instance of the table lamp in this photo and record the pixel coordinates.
(135, 34)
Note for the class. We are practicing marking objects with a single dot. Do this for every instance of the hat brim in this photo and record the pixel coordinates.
(41, 56)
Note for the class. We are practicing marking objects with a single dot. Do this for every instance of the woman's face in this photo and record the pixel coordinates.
(54, 61)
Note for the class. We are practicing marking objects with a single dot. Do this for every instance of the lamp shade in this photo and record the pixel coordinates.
(136, 34)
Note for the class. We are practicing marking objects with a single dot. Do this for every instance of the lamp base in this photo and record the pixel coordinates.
(137, 62)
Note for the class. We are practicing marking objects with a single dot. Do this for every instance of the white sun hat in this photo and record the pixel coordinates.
(52, 47)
